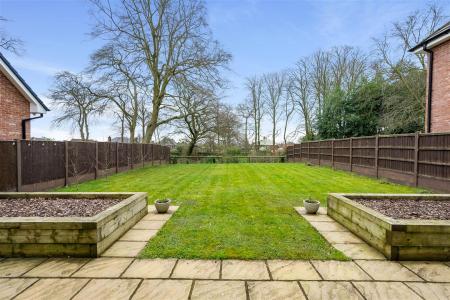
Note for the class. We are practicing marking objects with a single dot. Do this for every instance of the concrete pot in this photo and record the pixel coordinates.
(311, 206)
(162, 205)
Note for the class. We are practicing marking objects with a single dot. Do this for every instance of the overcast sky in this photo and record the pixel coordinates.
(262, 35)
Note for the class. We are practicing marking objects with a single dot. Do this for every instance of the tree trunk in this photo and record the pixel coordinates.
(151, 127)
(246, 134)
(273, 135)
(191, 147)
(87, 128)
(122, 130)
(132, 138)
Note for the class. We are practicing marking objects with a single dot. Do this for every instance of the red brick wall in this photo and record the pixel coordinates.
(440, 97)
(13, 108)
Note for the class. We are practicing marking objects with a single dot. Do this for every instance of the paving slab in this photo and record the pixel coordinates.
(292, 270)
(218, 289)
(197, 269)
(10, 287)
(57, 267)
(431, 291)
(104, 267)
(164, 289)
(108, 289)
(359, 251)
(124, 249)
(150, 268)
(301, 210)
(387, 270)
(172, 209)
(330, 290)
(156, 217)
(385, 290)
(342, 238)
(244, 270)
(328, 226)
(53, 288)
(155, 225)
(138, 235)
(274, 290)
(317, 218)
(430, 271)
(14, 267)
(339, 270)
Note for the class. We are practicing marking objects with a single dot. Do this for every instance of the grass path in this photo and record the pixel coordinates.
(239, 210)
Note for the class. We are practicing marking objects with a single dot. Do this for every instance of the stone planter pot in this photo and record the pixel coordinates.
(162, 205)
(311, 206)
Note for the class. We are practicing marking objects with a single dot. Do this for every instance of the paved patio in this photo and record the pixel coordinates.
(120, 275)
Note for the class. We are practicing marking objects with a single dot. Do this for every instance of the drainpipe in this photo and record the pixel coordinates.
(430, 87)
(24, 125)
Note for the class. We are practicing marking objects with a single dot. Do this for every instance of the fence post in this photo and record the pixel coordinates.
(131, 156)
(160, 150)
(66, 163)
(96, 160)
(416, 159)
(376, 154)
(19, 164)
(117, 157)
(351, 154)
(320, 150)
(309, 156)
(300, 157)
(332, 153)
(153, 157)
(142, 155)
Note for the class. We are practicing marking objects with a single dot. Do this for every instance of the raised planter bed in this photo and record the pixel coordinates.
(416, 228)
(66, 224)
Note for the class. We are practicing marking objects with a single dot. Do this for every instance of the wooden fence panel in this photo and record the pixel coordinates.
(8, 168)
(413, 159)
(396, 153)
(106, 155)
(137, 154)
(42, 163)
(81, 160)
(341, 151)
(326, 152)
(434, 156)
(124, 158)
(363, 151)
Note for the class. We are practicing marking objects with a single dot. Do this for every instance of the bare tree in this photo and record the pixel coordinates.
(300, 90)
(196, 104)
(119, 124)
(144, 113)
(348, 66)
(320, 77)
(255, 88)
(406, 105)
(244, 111)
(288, 108)
(274, 84)
(169, 37)
(226, 125)
(121, 82)
(8, 42)
(76, 100)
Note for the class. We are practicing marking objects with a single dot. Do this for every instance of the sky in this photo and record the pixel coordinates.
(262, 35)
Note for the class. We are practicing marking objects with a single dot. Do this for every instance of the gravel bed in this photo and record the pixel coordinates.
(409, 208)
(55, 207)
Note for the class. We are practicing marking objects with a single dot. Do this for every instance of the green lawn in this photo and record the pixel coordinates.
(239, 210)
